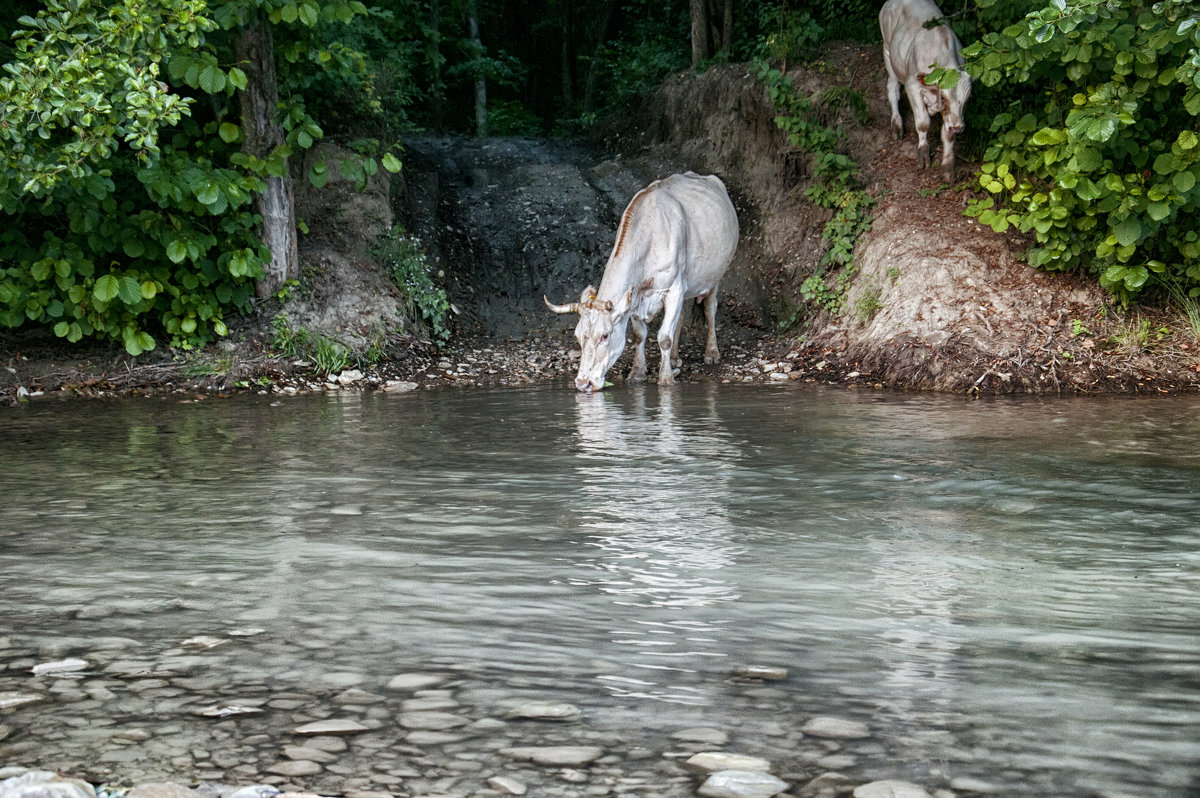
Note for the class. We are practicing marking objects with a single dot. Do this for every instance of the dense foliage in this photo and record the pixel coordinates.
(1099, 159)
(127, 188)
(127, 203)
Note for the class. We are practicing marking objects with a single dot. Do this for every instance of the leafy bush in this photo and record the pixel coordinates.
(1104, 168)
(835, 186)
(405, 261)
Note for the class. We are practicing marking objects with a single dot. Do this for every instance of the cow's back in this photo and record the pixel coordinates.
(681, 228)
(909, 46)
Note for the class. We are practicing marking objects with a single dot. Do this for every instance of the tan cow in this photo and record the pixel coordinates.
(675, 241)
(910, 51)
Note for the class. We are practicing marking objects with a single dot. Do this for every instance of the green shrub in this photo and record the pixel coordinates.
(402, 257)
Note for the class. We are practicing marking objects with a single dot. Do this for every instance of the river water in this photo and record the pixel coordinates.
(1006, 592)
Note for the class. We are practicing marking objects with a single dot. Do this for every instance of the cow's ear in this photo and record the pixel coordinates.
(585, 299)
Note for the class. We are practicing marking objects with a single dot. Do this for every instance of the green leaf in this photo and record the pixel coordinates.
(61, 329)
(289, 13)
(212, 79)
(177, 250)
(391, 163)
(1187, 139)
(229, 133)
(134, 247)
(106, 288)
(208, 193)
(130, 290)
(149, 289)
(1158, 211)
(1128, 231)
(1183, 182)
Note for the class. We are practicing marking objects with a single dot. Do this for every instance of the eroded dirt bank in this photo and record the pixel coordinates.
(937, 302)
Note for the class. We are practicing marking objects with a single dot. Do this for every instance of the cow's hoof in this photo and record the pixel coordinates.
(712, 360)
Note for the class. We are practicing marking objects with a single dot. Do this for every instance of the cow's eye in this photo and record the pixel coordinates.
(603, 338)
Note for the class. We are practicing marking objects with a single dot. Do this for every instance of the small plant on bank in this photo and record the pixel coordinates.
(405, 261)
(329, 356)
(835, 186)
(869, 303)
(1078, 329)
(288, 341)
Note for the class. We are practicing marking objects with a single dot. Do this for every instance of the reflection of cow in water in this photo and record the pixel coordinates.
(676, 239)
(910, 51)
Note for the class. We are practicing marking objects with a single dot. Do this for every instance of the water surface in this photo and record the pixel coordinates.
(1006, 591)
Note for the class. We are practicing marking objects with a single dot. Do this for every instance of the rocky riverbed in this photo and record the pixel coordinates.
(181, 726)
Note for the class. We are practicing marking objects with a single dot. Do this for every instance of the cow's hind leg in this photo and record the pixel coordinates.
(667, 333)
(711, 355)
(638, 372)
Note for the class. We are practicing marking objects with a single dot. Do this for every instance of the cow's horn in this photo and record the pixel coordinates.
(570, 307)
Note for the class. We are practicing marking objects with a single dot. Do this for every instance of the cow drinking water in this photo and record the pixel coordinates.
(910, 51)
(675, 241)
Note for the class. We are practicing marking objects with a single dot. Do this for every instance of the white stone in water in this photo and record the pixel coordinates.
(247, 632)
(71, 665)
(399, 386)
(416, 681)
(331, 726)
(540, 711)
(225, 711)
(431, 721)
(310, 753)
(297, 767)
(741, 784)
(836, 728)
(203, 642)
(14, 699)
(890, 788)
(506, 785)
(255, 791)
(713, 761)
(702, 734)
(349, 376)
(163, 789)
(559, 756)
(44, 784)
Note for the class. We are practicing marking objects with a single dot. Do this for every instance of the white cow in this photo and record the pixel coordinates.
(676, 239)
(910, 50)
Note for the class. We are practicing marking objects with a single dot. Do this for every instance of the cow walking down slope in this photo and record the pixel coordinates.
(910, 51)
(675, 241)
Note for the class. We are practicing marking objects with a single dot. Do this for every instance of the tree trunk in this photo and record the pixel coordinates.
(255, 51)
(568, 59)
(481, 123)
(727, 28)
(593, 73)
(700, 49)
(438, 88)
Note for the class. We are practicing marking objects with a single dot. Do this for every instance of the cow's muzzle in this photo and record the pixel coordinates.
(587, 385)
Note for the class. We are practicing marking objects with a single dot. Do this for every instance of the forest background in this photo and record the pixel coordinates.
(149, 147)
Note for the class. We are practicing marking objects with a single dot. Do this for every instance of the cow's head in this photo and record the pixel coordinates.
(600, 332)
(947, 102)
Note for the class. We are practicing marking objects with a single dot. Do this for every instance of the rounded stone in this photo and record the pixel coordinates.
(44, 784)
(331, 726)
(741, 784)
(561, 756)
(836, 728)
(714, 761)
(890, 789)
(298, 767)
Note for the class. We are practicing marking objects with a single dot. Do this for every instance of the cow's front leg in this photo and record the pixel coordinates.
(947, 151)
(920, 121)
(711, 355)
(893, 93)
(667, 343)
(638, 372)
